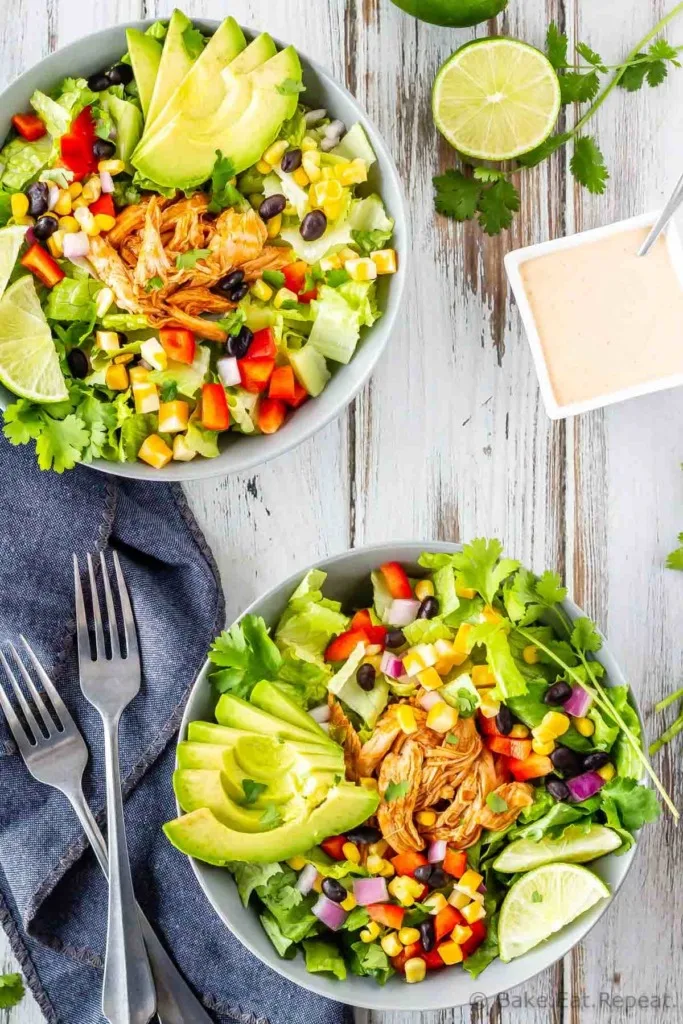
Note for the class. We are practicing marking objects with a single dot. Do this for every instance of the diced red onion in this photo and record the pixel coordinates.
(583, 787)
(321, 713)
(370, 890)
(482, 888)
(335, 129)
(52, 196)
(402, 611)
(106, 181)
(307, 879)
(228, 371)
(315, 116)
(330, 913)
(29, 237)
(429, 699)
(76, 244)
(391, 666)
(437, 851)
(579, 702)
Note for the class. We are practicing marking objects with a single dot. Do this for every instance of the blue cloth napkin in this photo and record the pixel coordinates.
(53, 898)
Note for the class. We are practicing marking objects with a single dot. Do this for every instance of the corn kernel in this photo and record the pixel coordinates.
(416, 970)
(405, 716)
(539, 732)
(173, 416)
(435, 902)
(155, 452)
(80, 204)
(113, 166)
(407, 936)
(370, 932)
(351, 852)
(461, 933)
(107, 341)
(261, 291)
(69, 225)
(424, 588)
(542, 747)
(442, 718)
(55, 243)
(63, 205)
(530, 654)
(385, 261)
(146, 397)
(607, 772)
(334, 209)
(19, 205)
(387, 870)
(488, 706)
(311, 167)
(470, 881)
(367, 782)
(461, 643)
(465, 592)
(328, 263)
(274, 226)
(300, 177)
(137, 374)
(374, 864)
(283, 295)
(584, 726)
(555, 723)
(473, 912)
(390, 944)
(312, 157)
(405, 890)
(318, 884)
(104, 222)
(308, 144)
(153, 353)
(519, 731)
(426, 818)
(116, 377)
(75, 189)
(182, 452)
(379, 848)
(430, 678)
(92, 190)
(124, 359)
(297, 863)
(274, 154)
(86, 219)
(482, 676)
(459, 899)
(324, 192)
(349, 903)
(450, 953)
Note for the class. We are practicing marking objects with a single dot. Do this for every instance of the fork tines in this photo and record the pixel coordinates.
(54, 720)
(126, 616)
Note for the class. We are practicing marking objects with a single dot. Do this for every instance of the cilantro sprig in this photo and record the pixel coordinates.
(11, 990)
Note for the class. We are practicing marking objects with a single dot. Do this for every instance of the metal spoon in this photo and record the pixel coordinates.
(665, 216)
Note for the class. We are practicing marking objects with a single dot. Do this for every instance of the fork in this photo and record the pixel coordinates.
(110, 684)
(56, 755)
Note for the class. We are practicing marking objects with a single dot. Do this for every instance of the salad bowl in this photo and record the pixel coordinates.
(348, 581)
(239, 452)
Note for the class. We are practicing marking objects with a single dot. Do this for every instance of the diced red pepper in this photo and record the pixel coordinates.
(271, 415)
(487, 726)
(535, 766)
(388, 914)
(343, 645)
(407, 863)
(40, 263)
(76, 145)
(282, 384)
(415, 949)
(295, 280)
(84, 125)
(396, 580)
(446, 920)
(263, 345)
(215, 412)
(363, 620)
(255, 373)
(333, 847)
(105, 204)
(178, 343)
(455, 862)
(300, 395)
(516, 748)
(433, 960)
(29, 126)
(475, 940)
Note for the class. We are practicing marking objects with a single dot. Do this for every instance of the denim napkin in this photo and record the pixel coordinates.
(53, 898)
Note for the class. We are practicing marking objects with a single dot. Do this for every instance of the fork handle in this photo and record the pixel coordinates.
(176, 1003)
(128, 993)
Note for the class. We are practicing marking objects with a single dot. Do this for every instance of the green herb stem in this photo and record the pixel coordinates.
(662, 704)
(636, 62)
(667, 735)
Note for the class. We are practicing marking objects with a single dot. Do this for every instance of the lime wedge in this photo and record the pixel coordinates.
(29, 365)
(496, 98)
(543, 901)
(576, 845)
(10, 244)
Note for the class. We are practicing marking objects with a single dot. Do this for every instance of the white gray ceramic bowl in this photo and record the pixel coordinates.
(348, 581)
(240, 453)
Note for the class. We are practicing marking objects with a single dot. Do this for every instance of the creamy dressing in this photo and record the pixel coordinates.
(607, 319)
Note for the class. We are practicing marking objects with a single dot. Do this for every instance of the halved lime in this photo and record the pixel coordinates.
(576, 845)
(29, 365)
(10, 244)
(496, 98)
(543, 901)
(453, 13)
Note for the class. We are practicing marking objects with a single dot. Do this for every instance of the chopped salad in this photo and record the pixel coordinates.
(158, 289)
(416, 782)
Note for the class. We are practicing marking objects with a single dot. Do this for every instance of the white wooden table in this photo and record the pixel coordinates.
(449, 440)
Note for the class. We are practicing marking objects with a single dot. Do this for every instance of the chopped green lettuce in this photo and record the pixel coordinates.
(363, 215)
(125, 322)
(188, 379)
(21, 161)
(323, 956)
(54, 116)
(284, 947)
(249, 876)
(242, 405)
(72, 299)
(307, 631)
(134, 430)
(370, 960)
(201, 440)
(344, 685)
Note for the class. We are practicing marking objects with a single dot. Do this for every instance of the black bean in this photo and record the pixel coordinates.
(44, 227)
(557, 789)
(37, 198)
(428, 609)
(103, 149)
(78, 363)
(394, 639)
(334, 890)
(364, 834)
(230, 281)
(291, 160)
(598, 759)
(237, 293)
(438, 878)
(98, 82)
(428, 934)
(313, 226)
(504, 720)
(422, 874)
(366, 677)
(558, 693)
(120, 74)
(566, 761)
(238, 344)
(272, 206)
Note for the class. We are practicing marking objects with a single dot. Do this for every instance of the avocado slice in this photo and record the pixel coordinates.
(209, 757)
(310, 369)
(200, 834)
(174, 64)
(181, 153)
(128, 121)
(258, 52)
(269, 697)
(240, 714)
(145, 56)
(209, 732)
(197, 787)
(263, 759)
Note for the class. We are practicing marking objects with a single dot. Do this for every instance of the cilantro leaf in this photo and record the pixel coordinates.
(590, 56)
(673, 561)
(546, 149)
(233, 322)
(370, 241)
(663, 50)
(579, 86)
(556, 44)
(452, 739)
(188, 259)
(154, 284)
(99, 419)
(497, 206)
(585, 636)
(61, 443)
(466, 703)
(23, 422)
(252, 790)
(11, 990)
(488, 174)
(224, 192)
(271, 817)
(588, 165)
(290, 87)
(396, 790)
(656, 72)
(457, 196)
(509, 680)
(496, 803)
(193, 41)
(335, 278)
(635, 803)
(549, 588)
(244, 654)
(633, 76)
(169, 391)
(480, 567)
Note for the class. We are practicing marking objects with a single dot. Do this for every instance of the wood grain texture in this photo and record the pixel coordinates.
(450, 440)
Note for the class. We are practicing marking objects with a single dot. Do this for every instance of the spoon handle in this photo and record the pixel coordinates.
(663, 219)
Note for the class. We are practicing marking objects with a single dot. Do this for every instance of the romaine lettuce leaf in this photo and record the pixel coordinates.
(370, 960)
(73, 299)
(308, 632)
(242, 405)
(249, 876)
(188, 379)
(203, 441)
(284, 947)
(344, 685)
(134, 430)
(21, 161)
(323, 956)
(54, 116)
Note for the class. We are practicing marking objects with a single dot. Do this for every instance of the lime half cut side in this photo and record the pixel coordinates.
(29, 365)
(576, 845)
(495, 99)
(542, 902)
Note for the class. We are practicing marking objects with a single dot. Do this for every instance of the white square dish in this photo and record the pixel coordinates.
(514, 262)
